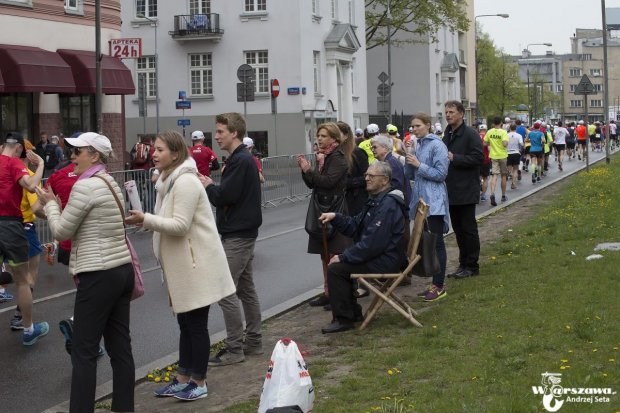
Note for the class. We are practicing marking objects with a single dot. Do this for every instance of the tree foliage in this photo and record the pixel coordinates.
(420, 18)
(500, 89)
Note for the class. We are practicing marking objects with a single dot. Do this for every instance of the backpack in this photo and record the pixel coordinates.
(141, 153)
(50, 157)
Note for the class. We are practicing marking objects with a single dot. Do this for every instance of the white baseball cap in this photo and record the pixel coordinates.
(99, 142)
(438, 127)
(358, 131)
(248, 142)
(372, 128)
(482, 126)
(197, 135)
(507, 120)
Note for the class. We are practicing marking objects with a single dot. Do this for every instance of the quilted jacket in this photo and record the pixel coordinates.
(94, 223)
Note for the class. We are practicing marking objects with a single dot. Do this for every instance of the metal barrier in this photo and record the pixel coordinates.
(283, 183)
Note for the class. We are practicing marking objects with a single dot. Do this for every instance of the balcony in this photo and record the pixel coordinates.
(197, 27)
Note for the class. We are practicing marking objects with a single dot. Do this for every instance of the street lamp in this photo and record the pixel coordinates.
(155, 23)
(529, 100)
(503, 16)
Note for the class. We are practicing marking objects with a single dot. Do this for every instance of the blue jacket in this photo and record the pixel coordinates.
(378, 233)
(430, 177)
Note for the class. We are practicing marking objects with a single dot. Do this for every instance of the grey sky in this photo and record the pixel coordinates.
(539, 21)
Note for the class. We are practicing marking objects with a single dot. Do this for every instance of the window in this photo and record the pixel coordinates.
(576, 103)
(71, 4)
(596, 72)
(352, 12)
(573, 87)
(315, 7)
(574, 72)
(316, 66)
(201, 74)
(596, 103)
(334, 9)
(259, 60)
(77, 112)
(586, 57)
(255, 5)
(147, 8)
(145, 67)
(598, 88)
(199, 6)
(559, 88)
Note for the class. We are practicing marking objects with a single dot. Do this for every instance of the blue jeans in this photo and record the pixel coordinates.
(435, 225)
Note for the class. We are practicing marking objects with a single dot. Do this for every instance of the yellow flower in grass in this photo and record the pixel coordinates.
(390, 372)
(157, 379)
(564, 361)
(567, 327)
(169, 368)
(612, 360)
(570, 351)
(594, 350)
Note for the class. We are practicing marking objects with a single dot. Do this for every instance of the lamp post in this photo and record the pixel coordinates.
(503, 16)
(529, 100)
(389, 62)
(155, 23)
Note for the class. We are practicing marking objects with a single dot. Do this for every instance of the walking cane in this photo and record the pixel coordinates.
(325, 255)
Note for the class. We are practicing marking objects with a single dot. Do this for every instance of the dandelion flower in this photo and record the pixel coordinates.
(157, 379)
(390, 372)
(564, 361)
(594, 350)
(612, 360)
(169, 368)
(570, 351)
(567, 327)
(604, 374)
(434, 326)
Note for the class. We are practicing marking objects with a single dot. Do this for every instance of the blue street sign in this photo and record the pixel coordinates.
(183, 122)
(184, 104)
(293, 91)
(182, 95)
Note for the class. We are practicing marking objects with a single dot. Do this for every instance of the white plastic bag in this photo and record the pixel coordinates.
(288, 381)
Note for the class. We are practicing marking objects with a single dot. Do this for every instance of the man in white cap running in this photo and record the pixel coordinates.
(249, 144)
(206, 160)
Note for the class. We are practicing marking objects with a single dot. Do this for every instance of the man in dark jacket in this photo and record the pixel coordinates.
(379, 244)
(238, 216)
(463, 181)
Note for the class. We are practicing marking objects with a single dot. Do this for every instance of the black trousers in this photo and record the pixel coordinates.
(102, 309)
(465, 228)
(194, 343)
(341, 292)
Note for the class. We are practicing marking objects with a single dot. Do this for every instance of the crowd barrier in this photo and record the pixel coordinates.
(283, 183)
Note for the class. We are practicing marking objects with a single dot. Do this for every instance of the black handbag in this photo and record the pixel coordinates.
(320, 204)
(428, 265)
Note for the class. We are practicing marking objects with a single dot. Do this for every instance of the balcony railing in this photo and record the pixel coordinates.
(197, 26)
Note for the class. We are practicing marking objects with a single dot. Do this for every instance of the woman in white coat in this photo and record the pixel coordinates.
(187, 244)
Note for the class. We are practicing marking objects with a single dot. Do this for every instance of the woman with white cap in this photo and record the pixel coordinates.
(101, 266)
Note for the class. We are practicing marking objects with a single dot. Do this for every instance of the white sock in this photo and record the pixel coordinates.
(2, 290)
(30, 329)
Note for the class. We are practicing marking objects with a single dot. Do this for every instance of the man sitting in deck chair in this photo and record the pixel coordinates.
(380, 246)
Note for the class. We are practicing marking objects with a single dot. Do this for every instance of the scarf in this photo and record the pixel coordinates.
(321, 159)
(163, 186)
(91, 171)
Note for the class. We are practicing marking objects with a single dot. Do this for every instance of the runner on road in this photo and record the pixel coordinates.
(497, 140)
(515, 143)
(537, 141)
(560, 133)
(581, 132)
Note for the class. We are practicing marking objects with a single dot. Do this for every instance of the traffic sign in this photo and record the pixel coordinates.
(383, 77)
(585, 86)
(182, 95)
(245, 92)
(382, 105)
(383, 89)
(246, 73)
(126, 48)
(275, 88)
(184, 104)
(183, 122)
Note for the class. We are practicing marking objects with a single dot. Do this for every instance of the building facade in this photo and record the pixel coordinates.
(315, 49)
(425, 75)
(47, 70)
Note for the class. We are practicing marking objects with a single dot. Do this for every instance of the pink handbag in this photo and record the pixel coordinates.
(138, 286)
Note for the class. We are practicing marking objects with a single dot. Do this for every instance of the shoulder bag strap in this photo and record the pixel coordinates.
(118, 201)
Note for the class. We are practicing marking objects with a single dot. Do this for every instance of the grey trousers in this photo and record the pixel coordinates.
(240, 253)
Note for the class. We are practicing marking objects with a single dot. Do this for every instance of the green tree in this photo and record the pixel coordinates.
(500, 89)
(420, 18)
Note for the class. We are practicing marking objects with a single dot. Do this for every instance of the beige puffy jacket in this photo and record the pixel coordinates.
(94, 223)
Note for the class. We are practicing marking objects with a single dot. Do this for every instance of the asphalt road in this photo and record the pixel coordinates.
(38, 377)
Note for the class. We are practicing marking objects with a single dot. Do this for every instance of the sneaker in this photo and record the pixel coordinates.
(538, 178)
(40, 330)
(426, 291)
(66, 328)
(253, 350)
(192, 392)
(518, 175)
(16, 323)
(483, 197)
(5, 296)
(493, 200)
(504, 199)
(171, 389)
(435, 294)
(533, 178)
(101, 352)
(226, 357)
(50, 252)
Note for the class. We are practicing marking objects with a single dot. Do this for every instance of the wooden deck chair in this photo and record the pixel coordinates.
(384, 285)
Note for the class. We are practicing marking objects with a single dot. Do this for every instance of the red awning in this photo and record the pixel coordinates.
(116, 79)
(31, 69)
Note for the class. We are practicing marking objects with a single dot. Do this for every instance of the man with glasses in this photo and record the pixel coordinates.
(379, 244)
(466, 157)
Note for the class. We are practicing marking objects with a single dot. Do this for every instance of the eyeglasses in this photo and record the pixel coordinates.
(371, 176)
(77, 151)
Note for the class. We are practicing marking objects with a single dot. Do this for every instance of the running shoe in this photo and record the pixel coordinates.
(538, 178)
(40, 330)
(435, 294)
(533, 178)
(426, 291)
(493, 200)
(16, 323)
(171, 389)
(50, 252)
(5, 296)
(483, 197)
(66, 328)
(504, 199)
(192, 392)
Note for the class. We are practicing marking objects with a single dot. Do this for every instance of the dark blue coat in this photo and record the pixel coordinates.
(378, 233)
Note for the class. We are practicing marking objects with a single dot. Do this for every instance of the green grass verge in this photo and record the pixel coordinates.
(535, 309)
